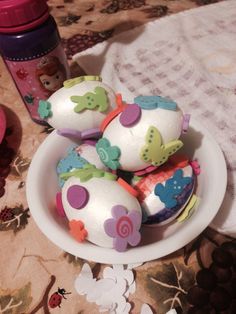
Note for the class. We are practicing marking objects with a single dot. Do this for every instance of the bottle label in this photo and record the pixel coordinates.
(37, 79)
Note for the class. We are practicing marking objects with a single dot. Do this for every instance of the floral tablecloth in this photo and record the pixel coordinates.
(199, 278)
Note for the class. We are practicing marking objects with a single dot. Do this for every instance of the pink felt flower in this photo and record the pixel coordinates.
(123, 227)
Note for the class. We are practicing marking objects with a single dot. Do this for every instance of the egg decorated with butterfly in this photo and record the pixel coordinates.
(100, 208)
(141, 135)
(77, 109)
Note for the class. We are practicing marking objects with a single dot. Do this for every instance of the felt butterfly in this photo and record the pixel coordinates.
(156, 152)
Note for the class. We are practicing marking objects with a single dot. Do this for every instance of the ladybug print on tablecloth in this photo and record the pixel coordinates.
(56, 298)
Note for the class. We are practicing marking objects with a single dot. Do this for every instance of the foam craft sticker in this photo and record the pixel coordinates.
(44, 109)
(115, 296)
(85, 280)
(173, 187)
(131, 115)
(118, 271)
(70, 133)
(59, 205)
(71, 161)
(92, 101)
(77, 196)
(77, 230)
(91, 133)
(189, 209)
(123, 227)
(185, 124)
(145, 171)
(108, 154)
(196, 167)
(153, 102)
(77, 80)
(156, 152)
(101, 286)
(111, 115)
(88, 172)
(107, 293)
(127, 187)
(145, 309)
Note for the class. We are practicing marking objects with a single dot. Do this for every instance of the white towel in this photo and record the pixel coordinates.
(191, 58)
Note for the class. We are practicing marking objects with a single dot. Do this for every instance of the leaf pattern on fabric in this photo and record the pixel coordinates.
(118, 5)
(16, 301)
(169, 286)
(68, 19)
(19, 165)
(79, 262)
(15, 218)
(156, 11)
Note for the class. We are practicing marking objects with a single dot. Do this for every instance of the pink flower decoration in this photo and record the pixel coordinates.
(123, 227)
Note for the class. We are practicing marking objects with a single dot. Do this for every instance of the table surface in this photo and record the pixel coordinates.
(32, 268)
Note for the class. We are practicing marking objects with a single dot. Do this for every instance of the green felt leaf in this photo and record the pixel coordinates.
(88, 172)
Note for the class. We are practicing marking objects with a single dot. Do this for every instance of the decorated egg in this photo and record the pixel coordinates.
(164, 193)
(78, 108)
(77, 157)
(101, 210)
(143, 134)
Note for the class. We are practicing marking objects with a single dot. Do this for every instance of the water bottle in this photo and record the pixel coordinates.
(31, 49)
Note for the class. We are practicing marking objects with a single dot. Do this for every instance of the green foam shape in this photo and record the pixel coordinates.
(91, 100)
(44, 109)
(156, 152)
(74, 81)
(88, 172)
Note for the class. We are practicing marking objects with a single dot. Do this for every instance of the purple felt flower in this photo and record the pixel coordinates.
(123, 227)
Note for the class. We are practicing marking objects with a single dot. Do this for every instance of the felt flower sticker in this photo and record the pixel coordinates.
(77, 230)
(44, 109)
(123, 227)
(108, 154)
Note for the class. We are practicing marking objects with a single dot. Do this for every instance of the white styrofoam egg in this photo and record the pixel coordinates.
(62, 115)
(101, 196)
(131, 139)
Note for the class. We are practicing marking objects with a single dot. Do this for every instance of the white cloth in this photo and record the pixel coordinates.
(191, 58)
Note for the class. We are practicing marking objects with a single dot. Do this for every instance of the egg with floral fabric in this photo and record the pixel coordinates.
(141, 135)
(101, 209)
(164, 193)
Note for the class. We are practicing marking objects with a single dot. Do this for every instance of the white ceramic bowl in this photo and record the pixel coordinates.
(41, 188)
